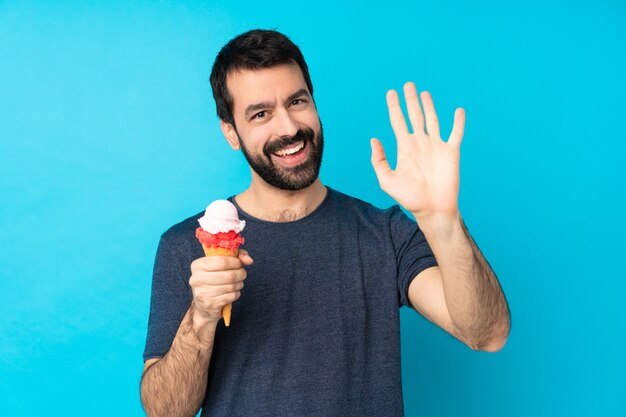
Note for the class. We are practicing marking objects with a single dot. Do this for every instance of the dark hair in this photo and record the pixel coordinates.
(255, 49)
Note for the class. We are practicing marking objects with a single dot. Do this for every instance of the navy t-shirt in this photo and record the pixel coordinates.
(316, 331)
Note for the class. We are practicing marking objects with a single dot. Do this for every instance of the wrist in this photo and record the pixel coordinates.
(201, 325)
(441, 232)
(438, 221)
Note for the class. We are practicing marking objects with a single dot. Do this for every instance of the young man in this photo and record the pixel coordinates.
(316, 330)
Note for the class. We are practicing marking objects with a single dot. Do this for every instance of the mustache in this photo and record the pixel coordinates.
(305, 135)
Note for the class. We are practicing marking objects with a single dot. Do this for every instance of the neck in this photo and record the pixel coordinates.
(266, 202)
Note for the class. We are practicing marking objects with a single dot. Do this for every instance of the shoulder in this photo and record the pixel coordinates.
(362, 209)
(393, 222)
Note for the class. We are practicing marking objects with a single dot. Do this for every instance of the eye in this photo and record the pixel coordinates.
(259, 115)
(297, 101)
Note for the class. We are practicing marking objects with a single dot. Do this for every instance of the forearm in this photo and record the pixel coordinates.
(475, 301)
(176, 384)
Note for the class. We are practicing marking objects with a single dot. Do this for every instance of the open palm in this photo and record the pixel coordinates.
(426, 179)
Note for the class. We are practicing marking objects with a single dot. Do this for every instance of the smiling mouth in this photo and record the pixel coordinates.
(291, 151)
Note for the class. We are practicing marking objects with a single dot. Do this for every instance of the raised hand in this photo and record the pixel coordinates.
(426, 179)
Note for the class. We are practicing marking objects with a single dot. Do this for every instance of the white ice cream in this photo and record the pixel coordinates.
(221, 217)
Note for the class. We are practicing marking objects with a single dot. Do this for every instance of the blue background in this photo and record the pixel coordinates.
(109, 136)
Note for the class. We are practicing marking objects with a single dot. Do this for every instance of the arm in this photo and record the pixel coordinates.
(462, 295)
(176, 384)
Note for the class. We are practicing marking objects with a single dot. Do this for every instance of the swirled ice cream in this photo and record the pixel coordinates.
(221, 217)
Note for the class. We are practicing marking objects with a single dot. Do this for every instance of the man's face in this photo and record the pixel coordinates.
(277, 125)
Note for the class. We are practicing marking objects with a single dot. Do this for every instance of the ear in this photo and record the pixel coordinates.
(230, 134)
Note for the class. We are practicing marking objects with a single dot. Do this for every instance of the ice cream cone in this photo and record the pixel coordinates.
(209, 251)
(219, 235)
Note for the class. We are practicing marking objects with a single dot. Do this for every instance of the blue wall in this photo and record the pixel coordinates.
(108, 136)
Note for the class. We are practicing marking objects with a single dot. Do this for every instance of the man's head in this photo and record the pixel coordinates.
(264, 99)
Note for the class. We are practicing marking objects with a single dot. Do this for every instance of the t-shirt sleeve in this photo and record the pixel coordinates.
(170, 299)
(413, 254)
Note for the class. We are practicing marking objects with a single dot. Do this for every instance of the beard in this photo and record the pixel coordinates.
(293, 178)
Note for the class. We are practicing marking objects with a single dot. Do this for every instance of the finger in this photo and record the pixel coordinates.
(217, 290)
(231, 297)
(432, 123)
(216, 263)
(203, 279)
(413, 107)
(245, 258)
(398, 122)
(227, 298)
(458, 129)
(379, 161)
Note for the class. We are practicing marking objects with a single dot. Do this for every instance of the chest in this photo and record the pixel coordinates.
(341, 271)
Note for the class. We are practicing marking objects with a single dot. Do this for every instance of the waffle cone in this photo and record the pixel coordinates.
(220, 251)
(208, 251)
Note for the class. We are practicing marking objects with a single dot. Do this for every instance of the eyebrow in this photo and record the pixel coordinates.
(260, 106)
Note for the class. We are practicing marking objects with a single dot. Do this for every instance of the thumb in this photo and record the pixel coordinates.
(244, 257)
(379, 161)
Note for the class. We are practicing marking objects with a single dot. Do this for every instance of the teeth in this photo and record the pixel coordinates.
(290, 151)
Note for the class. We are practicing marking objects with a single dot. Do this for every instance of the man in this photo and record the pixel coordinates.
(315, 331)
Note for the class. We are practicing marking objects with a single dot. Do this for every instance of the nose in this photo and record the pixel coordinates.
(285, 125)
